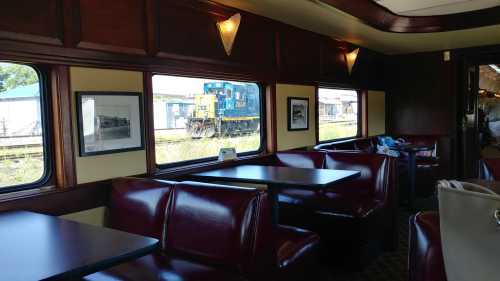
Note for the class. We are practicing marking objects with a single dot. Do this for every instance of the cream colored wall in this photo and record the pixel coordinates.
(293, 139)
(92, 216)
(95, 168)
(376, 113)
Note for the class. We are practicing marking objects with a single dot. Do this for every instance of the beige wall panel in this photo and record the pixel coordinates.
(376, 113)
(293, 139)
(92, 216)
(95, 168)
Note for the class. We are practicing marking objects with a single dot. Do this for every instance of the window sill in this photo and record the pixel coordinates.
(180, 171)
(22, 194)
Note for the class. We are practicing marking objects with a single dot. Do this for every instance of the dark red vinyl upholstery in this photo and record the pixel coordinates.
(425, 256)
(208, 232)
(138, 205)
(344, 213)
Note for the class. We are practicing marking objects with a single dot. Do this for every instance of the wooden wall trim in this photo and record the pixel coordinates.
(65, 171)
(271, 134)
(149, 124)
(56, 201)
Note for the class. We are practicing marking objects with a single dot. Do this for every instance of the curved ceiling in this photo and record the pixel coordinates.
(435, 7)
(380, 17)
(322, 18)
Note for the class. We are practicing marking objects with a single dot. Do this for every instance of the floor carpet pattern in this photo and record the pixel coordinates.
(390, 266)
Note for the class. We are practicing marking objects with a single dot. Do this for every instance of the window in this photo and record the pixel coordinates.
(23, 143)
(338, 114)
(194, 118)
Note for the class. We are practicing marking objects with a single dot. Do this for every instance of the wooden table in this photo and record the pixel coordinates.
(412, 150)
(39, 247)
(277, 178)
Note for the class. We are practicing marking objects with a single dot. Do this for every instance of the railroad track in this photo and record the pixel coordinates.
(21, 156)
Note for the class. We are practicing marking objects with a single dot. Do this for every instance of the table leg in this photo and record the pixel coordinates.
(412, 167)
(272, 194)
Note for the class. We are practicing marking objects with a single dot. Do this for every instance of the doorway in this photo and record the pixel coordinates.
(488, 113)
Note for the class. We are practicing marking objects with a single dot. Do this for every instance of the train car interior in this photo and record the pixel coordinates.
(214, 140)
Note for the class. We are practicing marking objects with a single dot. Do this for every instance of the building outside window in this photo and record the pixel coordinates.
(194, 118)
(338, 114)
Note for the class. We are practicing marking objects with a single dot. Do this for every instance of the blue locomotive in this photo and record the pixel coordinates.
(225, 109)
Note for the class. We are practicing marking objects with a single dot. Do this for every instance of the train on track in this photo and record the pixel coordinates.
(225, 109)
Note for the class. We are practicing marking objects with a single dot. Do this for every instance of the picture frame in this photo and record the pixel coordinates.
(109, 122)
(298, 114)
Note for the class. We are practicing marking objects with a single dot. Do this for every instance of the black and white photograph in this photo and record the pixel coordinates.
(298, 114)
(109, 122)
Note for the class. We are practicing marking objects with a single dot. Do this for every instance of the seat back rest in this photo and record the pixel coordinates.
(263, 251)
(425, 256)
(301, 159)
(211, 223)
(490, 169)
(138, 205)
(374, 170)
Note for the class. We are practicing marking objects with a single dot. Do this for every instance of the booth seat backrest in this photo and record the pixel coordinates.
(138, 205)
(368, 145)
(425, 257)
(375, 178)
(489, 169)
(300, 159)
(211, 223)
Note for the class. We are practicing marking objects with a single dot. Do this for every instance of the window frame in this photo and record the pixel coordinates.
(47, 140)
(359, 131)
(186, 163)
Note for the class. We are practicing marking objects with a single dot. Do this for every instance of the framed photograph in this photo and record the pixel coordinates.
(109, 122)
(298, 114)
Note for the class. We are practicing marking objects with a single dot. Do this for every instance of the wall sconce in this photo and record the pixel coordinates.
(228, 30)
(350, 59)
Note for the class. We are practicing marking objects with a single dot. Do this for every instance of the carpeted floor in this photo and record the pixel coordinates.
(390, 266)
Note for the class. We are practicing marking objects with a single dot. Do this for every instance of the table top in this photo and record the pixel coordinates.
(36, 247)
(410, 147)
(296, 177)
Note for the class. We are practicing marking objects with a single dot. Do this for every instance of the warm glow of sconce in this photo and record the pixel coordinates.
(228, 30)
(350, 59)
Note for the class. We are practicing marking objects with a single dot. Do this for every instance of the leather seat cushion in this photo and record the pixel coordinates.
(157, 267)
(331, 203)
(293, 244)
(425, 253)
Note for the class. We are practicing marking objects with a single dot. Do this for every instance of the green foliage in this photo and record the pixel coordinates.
(15, 75)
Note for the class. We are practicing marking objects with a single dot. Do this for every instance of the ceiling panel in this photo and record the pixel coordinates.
(435, 7)
(324, 19)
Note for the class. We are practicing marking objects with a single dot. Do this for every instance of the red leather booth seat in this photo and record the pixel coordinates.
(428, 166)
(489, 169)
(207, 232)
(355, 219)
(425, 257)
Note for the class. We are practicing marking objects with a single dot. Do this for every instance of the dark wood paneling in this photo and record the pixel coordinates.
(118, 26)
(299, 54)
(36, 21)
(59, 201)
(420, 98)
(381, 18)
(188, 29)
(368, 71)
(333, 63)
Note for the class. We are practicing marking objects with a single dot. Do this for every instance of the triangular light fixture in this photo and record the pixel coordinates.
(228, 30)
(350, 59)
